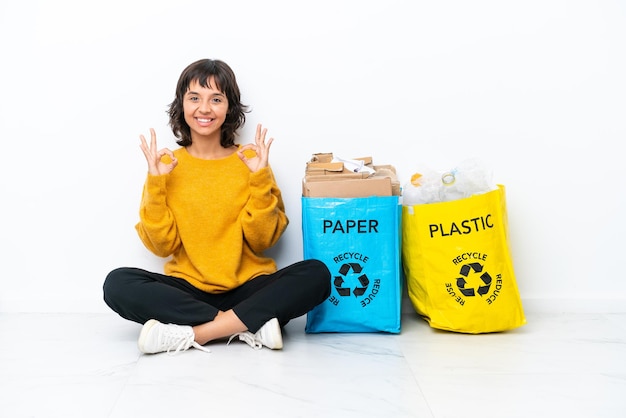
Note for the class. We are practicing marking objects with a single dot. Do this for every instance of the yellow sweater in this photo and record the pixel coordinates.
(215, 218)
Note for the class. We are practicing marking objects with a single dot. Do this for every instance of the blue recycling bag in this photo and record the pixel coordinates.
(359, 241)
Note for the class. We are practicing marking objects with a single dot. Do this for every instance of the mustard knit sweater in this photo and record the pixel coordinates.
(214, 218)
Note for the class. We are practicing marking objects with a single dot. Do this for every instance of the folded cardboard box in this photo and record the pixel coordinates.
(327, 177)
(328, 157)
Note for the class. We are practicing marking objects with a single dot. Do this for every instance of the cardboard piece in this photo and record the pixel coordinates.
(350, 187)
(325, 178)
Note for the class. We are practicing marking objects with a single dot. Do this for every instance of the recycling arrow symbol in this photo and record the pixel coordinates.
(340, 281)
(477, 269)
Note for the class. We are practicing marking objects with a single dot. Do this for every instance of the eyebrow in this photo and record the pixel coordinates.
(197, 93)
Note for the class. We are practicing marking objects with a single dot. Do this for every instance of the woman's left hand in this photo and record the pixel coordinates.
(260, 147)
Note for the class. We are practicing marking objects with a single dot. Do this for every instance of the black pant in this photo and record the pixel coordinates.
(139, 295)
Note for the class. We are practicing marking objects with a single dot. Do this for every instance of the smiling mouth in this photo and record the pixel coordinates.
(204, 120)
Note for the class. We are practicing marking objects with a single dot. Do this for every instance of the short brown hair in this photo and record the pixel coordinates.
(226, 82)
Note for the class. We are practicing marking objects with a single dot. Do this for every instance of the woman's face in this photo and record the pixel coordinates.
(204, 109)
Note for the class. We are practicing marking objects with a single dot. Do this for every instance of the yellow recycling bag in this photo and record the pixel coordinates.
(457, 264)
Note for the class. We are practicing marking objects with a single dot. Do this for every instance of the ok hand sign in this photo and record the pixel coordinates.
(155, 166)
(260, 147)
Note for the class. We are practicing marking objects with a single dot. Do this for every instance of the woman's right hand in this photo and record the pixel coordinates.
(156, 167)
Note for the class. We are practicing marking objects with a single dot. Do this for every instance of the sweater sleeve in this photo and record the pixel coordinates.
(264, 219)
(157, 225)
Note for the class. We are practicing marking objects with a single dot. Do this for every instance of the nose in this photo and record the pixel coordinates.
(205, 107)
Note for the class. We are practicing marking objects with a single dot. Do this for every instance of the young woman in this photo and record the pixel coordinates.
(213, 207)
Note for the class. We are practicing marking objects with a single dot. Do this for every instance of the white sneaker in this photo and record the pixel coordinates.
(269, 335)
(156, 337)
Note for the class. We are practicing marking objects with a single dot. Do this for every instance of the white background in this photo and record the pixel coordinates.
(536, 89)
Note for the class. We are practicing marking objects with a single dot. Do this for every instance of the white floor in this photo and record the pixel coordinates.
(88, 366)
